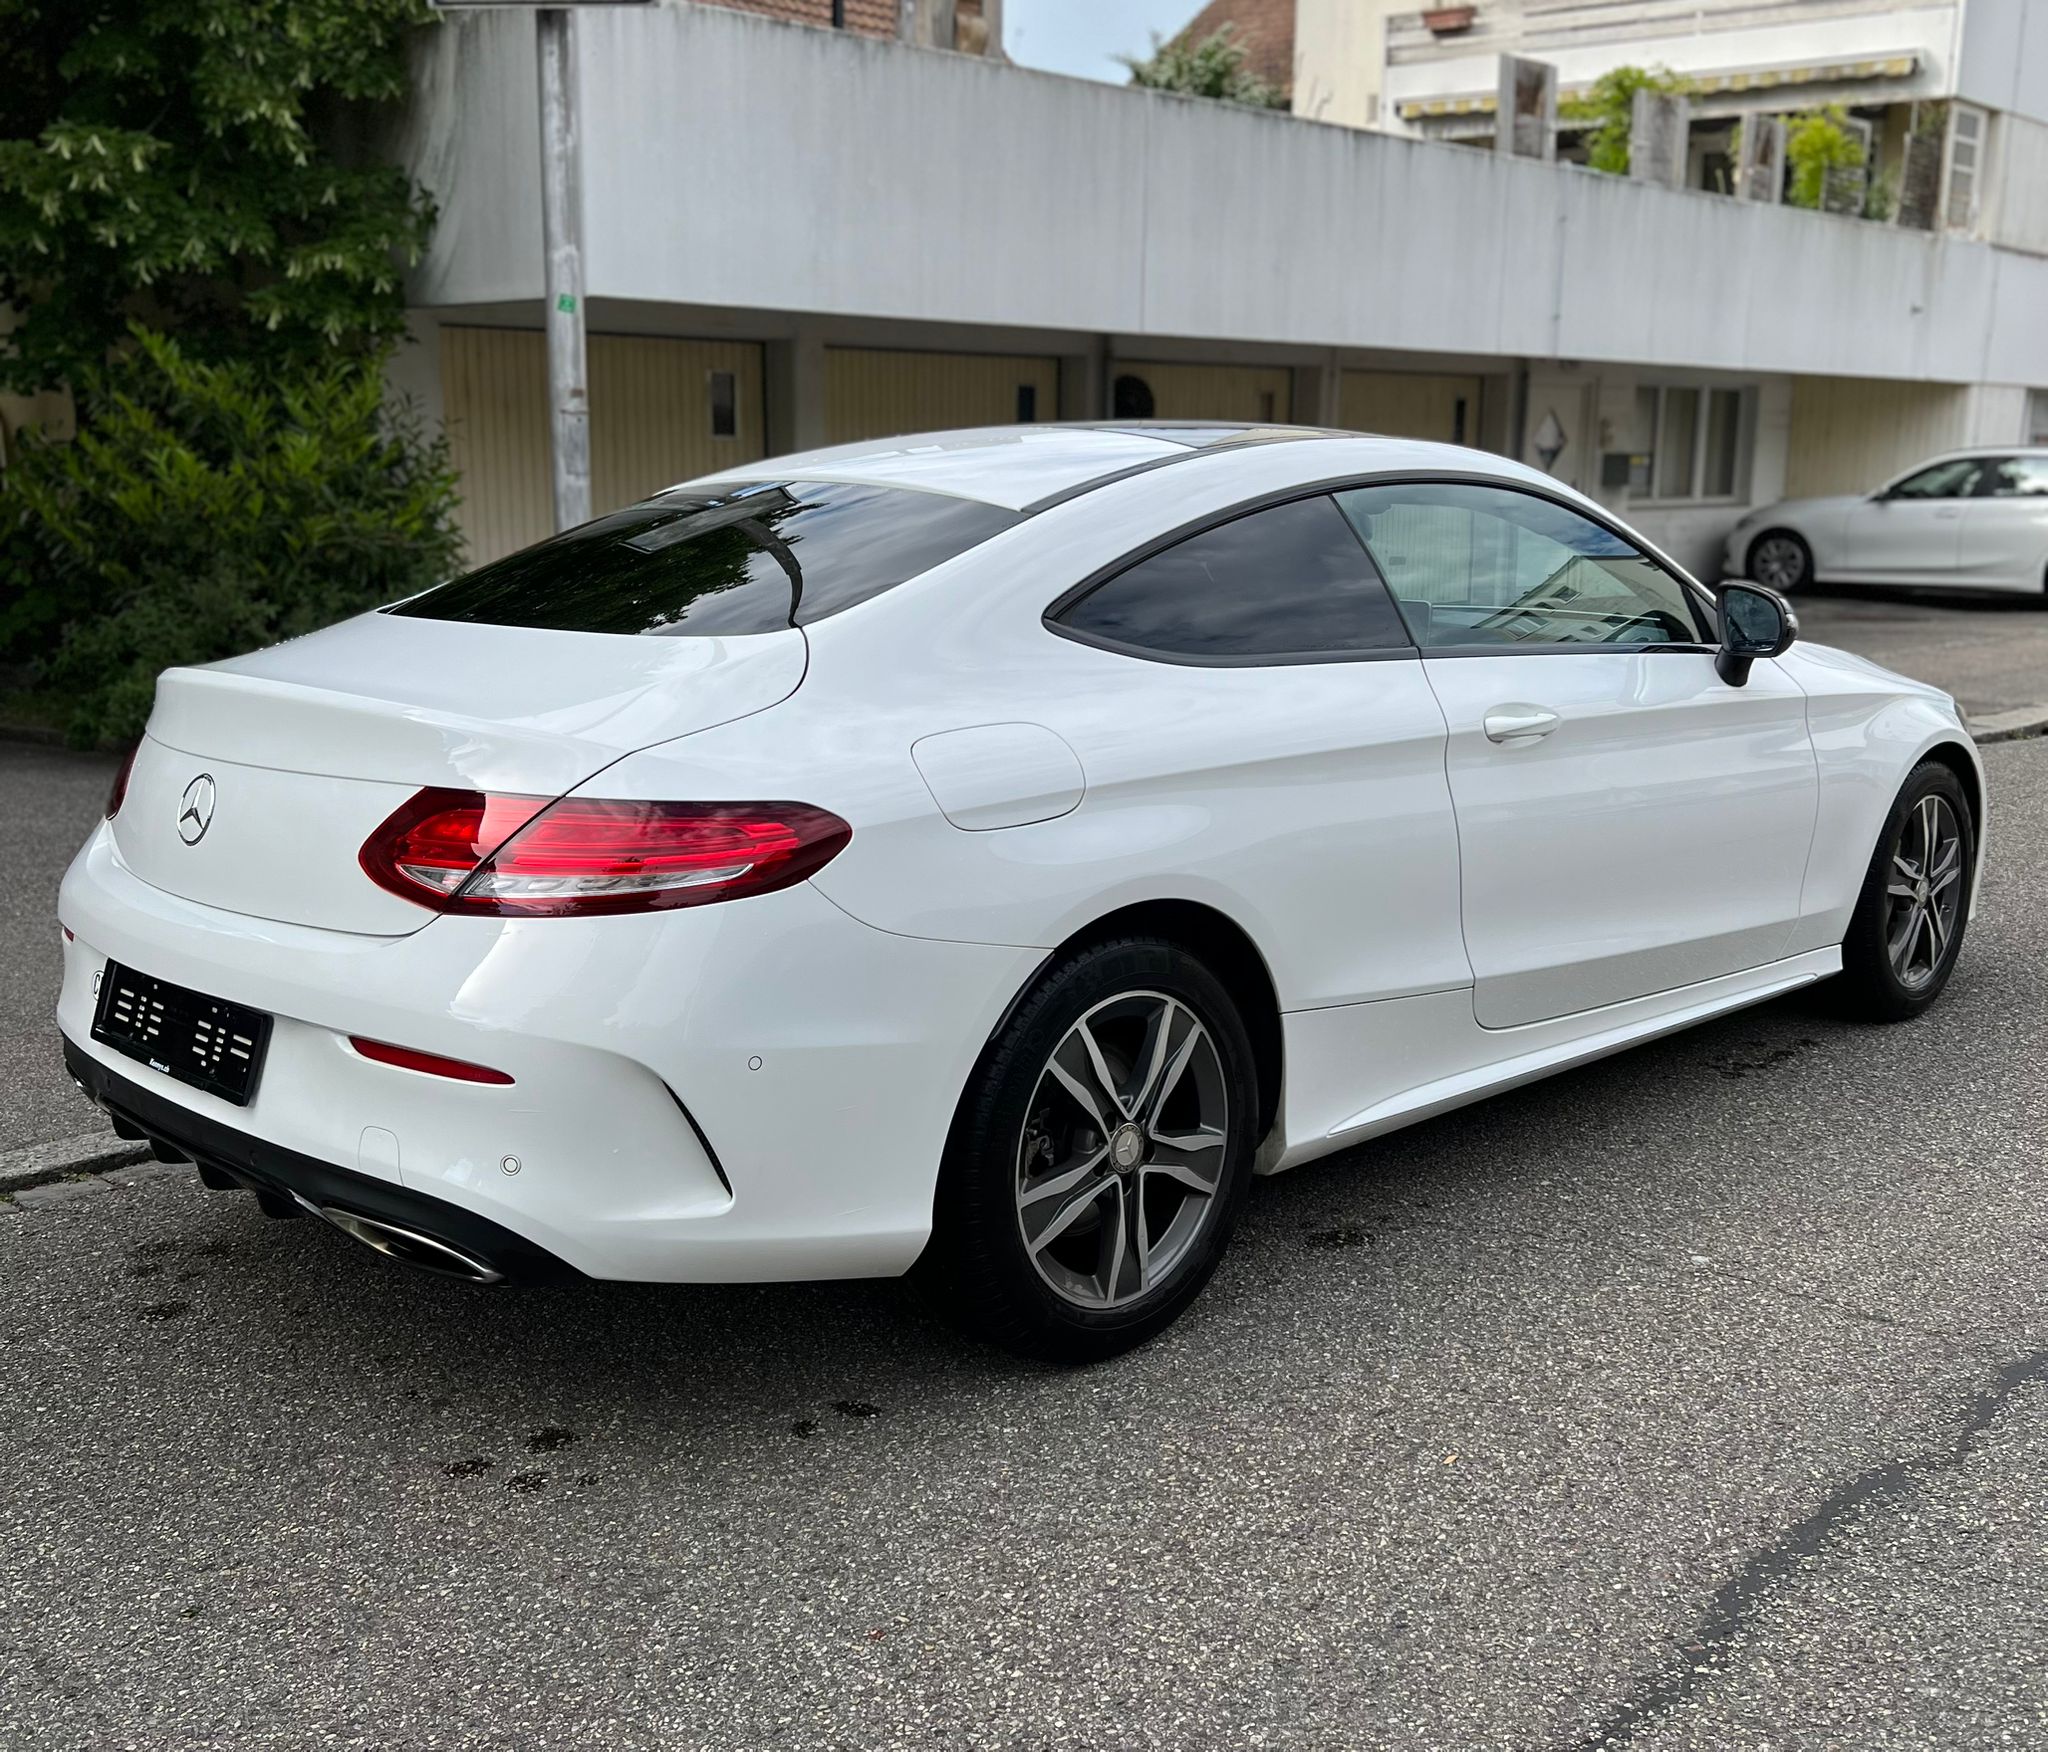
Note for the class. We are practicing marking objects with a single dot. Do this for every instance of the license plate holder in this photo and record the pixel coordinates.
(204, 1042)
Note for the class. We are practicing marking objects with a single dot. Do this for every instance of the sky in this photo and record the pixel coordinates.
(1085, 36)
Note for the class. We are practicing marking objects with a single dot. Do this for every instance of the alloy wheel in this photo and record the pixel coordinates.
(1121, 1158)
(1924, 895)
(1778, 562)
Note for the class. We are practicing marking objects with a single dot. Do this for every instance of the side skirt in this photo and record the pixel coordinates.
(1404, 1037)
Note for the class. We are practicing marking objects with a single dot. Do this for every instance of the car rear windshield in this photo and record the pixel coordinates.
(743, 559)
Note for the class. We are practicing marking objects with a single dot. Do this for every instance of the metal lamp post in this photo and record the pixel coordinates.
(561, 226)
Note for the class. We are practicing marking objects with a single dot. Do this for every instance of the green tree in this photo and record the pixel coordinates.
(1213, 67)
(1609, 106)
(1824, 156)
(173, 162)
(209, 508)
(192, 240)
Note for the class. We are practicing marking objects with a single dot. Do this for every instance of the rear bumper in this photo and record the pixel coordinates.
(747, 1092)
(320, 1186)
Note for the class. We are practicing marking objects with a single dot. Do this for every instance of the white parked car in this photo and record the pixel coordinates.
(982, 853)
(1977, 519)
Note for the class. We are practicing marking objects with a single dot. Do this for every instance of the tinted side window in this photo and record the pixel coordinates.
(747, 560)
(1945, 480)
(1289, 581)
(1474, 565)
(2016, 477)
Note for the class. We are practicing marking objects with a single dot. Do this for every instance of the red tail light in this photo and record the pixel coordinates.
(412, 1059)
(464, 852)
(119, 794)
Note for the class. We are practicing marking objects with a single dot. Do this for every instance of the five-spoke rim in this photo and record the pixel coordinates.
(1925, 892)
(1120, 1161)
(1778, 562)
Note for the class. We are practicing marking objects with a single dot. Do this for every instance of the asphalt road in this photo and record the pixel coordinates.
(49, 799)
(1698, 1399)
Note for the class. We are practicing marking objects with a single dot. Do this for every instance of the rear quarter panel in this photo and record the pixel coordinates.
(1307, 803)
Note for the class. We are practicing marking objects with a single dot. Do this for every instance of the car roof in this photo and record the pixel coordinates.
(1020, 467)
(1973, 453)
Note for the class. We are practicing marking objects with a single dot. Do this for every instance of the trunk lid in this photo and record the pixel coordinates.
(260, 778)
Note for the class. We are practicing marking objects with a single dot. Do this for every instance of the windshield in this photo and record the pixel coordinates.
(752, 558)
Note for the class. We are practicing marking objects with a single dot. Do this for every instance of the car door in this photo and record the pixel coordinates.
(1628, 822)
(2005, 527)
(1912, 531)
(1255, 729)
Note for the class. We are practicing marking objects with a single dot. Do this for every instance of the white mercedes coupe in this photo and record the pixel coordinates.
(976, 856)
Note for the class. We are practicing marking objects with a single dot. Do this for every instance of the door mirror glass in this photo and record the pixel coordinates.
(1755, 622)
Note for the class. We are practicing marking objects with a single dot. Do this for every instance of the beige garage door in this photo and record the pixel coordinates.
(661, 411)
(1409, 404)
(873, 393)
(1259, 393)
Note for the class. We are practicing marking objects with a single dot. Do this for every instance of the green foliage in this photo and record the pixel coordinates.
(1609, 105)
(1817, 146)
(171, 161)
(191, 242)
(211, 508)
(1213, 67)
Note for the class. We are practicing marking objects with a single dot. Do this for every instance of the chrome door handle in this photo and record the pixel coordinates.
(1519, 723)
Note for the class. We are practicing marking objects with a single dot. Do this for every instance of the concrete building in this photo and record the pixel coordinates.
(1925, 86)
(798, 235)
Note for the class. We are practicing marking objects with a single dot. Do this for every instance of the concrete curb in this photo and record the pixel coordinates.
(90, 1153)
(2013, 726)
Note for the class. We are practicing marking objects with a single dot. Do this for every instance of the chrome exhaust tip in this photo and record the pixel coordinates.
(409, 1247)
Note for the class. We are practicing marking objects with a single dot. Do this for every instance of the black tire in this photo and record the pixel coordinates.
(1873, 987)
(1783, 581)
(979, 1267)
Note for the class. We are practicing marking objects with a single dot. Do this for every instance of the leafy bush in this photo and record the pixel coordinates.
(186, 163)
(1609, 105)
(209, 508)
(1822, 153)
(1213, 67)
(193, 242)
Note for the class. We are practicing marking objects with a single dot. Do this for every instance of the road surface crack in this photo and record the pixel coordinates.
(1737, 1602)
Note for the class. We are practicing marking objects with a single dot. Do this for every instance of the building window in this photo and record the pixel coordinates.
(2037, 417)
(1027, 403)
(1965, 159)
(1688, 443)
(725, 405)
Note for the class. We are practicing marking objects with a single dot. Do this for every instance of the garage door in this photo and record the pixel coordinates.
(874, 393)
(1140, 390)
(1409, 404)
(661, 411)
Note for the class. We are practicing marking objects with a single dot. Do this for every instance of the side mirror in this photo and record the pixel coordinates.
(1755, 622)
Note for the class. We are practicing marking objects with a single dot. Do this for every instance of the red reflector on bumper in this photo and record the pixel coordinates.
(406, 1058)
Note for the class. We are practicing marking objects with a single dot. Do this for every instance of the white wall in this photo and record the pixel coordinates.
(738, 163)
(1340, 50)
(2016, 203)
(2003, 62)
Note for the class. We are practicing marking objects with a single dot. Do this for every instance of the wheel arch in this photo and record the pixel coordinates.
(1786, 529)
(1962, 761)
(1225, 947)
